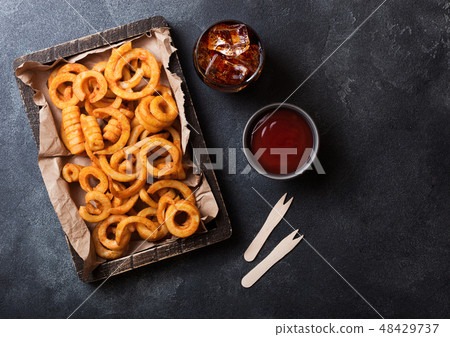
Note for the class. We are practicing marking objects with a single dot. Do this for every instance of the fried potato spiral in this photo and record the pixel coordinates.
(94, 172)
(187, 228)
(71, 172)
(114, 70)
(112, 130)
(81, 87)
(147, 229)
(57, 100)
(103, 227)
(92, 132)
(163, 144)
(175, 184)
(144, 233)
(164, 108)
(104, 206)
(72, 129)
(124, 125)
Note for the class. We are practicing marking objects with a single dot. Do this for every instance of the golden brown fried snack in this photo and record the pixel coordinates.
(114, 244)
(72, 68)
(150, 213)
(90, 171)
(146, 118)
(116, 175)
(153, 144)
(106, 224)
(95, 161)
(164, 202)
(190, 226)
(72, 129)
(148, 228)
(124, 125)
(53, 91)
(92, 132)
(175, 184)
(145, 197)
(114, 70)
(104, 205)
(81, 86)
(126, 205)
(133, 188)
(164, 108)
(71, 172)
(112, 130)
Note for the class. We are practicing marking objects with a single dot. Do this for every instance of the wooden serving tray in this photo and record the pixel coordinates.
(218, 229)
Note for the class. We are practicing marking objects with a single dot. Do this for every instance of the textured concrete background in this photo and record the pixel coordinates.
(380, 215)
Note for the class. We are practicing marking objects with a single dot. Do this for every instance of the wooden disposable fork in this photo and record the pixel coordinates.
(280, 251)
(275, 216)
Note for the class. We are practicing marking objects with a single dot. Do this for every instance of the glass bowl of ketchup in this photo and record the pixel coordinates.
(228, 56)
(280, 141)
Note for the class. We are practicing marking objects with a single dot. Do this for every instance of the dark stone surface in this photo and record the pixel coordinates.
(379, 216)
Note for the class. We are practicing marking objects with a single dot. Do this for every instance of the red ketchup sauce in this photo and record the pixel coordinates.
(284, 131)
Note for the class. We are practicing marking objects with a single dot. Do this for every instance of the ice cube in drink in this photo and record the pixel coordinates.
(229, 40)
